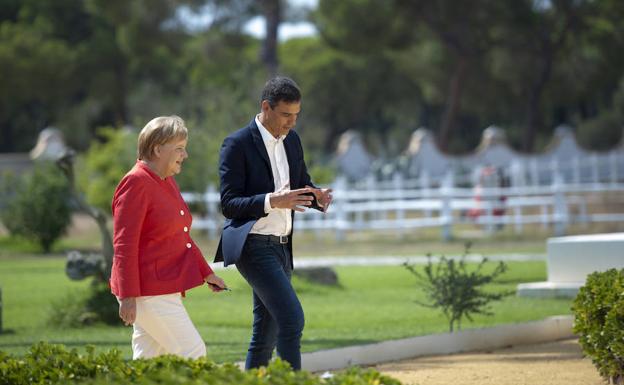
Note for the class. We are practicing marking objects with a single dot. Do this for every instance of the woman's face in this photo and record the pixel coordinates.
(170, 157)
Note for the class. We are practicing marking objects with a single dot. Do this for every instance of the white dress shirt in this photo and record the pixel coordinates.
(278, 221)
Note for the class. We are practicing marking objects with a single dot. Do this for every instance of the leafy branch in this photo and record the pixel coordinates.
(456, 289)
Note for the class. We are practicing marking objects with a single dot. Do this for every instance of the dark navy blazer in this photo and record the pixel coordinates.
(246, 177)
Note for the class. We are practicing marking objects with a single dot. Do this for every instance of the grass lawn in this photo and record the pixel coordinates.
(372, 304)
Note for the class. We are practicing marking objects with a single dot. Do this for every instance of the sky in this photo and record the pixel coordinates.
(255, 27)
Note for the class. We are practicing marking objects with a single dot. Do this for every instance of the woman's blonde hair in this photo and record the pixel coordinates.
(158, 131)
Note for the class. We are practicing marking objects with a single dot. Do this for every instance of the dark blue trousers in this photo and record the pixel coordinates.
(278, 315)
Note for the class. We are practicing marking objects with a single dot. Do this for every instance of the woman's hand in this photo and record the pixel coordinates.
(215, 282)
(127, 310)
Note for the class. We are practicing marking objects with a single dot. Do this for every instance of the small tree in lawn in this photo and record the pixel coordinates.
(457, 290)
(38, 208)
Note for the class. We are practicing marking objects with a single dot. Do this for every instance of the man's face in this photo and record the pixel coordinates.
(280, 119)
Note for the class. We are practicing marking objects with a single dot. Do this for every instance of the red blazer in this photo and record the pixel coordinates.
(154, 252)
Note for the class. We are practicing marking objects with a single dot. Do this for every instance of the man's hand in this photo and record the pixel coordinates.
(127, 310)
(291, 199)
(323, 196)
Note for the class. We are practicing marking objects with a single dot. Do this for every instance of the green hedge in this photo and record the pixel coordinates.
(599, 322)
(55, 364)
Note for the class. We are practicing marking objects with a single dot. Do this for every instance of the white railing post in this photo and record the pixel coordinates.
(554, 169)
(371, 187)
(594, 167)
(613, 168)
(212, 210)
(397, 184)
(518, 219)
(516, 170)
(340, 201)
(560, 207)
(534, 173)
(425, 189)
(576, 171)
(446, 212)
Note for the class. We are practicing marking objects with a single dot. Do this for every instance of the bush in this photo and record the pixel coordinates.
(322, 175)
(455, 290)
(78, 309)
(8, 186)
(54, 364)
(39, 210)
(599, 322)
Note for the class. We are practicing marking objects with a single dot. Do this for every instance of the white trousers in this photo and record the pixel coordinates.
(162, 326)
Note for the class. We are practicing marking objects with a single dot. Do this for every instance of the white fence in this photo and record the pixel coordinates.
(398, 206)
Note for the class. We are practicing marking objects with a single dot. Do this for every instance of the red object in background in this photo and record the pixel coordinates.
(490, 177)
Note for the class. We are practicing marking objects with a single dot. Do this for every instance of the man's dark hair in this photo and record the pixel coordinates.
(281, 88)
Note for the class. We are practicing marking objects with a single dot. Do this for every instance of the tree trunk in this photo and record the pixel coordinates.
(331, 136)
(272, 15)
(6, 145)
(456, 86)
(533, 110)
(120, 93)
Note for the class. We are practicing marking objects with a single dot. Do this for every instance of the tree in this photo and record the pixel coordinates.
(350, 80)
(466, 29)
(272, 11)
(31, 60)
(538, 36)
(231, 15)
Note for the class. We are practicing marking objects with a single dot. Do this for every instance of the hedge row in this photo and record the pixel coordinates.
(55, 364)
(599, 322)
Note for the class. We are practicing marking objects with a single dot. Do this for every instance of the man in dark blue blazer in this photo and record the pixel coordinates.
(263, 181)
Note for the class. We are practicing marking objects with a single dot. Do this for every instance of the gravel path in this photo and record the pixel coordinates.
(554, 363)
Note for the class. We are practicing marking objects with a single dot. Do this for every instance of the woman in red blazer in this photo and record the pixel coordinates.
(155, 259)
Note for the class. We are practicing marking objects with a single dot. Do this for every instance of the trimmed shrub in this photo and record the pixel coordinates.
(599, 322)
(40, 210)
(54, 364)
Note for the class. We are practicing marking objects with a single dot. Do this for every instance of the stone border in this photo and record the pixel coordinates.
(549, 329)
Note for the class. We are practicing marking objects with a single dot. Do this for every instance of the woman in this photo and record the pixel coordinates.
(156, 260)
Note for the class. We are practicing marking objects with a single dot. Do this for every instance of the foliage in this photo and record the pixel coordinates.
(37, 72)
(80, 308)
(104, 164)
(599, 322)
(226, 113)
(598, 133)
(321, 175)
(40, 210)
(8, 186)
(335, 99)
(54, 364)
(456, 289)
(381, 68)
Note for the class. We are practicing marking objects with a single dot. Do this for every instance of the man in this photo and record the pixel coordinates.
(263, 181)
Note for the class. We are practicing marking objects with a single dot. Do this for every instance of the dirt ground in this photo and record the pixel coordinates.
(554, 363)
